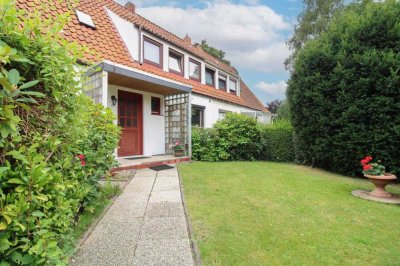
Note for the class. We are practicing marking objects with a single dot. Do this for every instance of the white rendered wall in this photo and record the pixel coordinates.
(153, 125)
(128, 32)
(212, 108)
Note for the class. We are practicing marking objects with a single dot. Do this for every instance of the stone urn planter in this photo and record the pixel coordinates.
(179, 152)
(380, 182)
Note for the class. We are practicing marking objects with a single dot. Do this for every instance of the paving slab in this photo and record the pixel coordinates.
(165, 196)
(167, 173)
(163, 228)
(166, 184)
(146, 225)
(166, 252)
(111, 243)
(164, 209)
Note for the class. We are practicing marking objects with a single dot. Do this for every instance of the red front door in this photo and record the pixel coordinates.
(130, 119)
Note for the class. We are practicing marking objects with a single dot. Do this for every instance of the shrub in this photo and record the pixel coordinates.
(237, 137)
(278, 142)
(207, 146)
(344, 91)
(44, 124)
(240, 135)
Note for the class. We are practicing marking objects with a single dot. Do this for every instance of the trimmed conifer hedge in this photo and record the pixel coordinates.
(344, 92)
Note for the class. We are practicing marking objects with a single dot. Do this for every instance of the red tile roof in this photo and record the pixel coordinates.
(107, 43)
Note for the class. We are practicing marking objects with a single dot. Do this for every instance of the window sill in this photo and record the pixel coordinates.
(198, 80)
(176, 72)
(147, 62)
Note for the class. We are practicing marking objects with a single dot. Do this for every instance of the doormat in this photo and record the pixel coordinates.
(136, 158)
(161, 167)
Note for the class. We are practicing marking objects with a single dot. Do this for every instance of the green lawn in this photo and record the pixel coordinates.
(260, 213)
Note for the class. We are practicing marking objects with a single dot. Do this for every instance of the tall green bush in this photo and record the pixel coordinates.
(278, 142)
(45, 123)
(208, 146)
(240, 135)
(344, 90)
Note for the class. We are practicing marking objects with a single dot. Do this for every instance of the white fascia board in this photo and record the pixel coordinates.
(147, 74)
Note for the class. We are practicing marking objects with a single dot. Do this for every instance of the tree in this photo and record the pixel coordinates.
(313, 21)
(214, 52)
(283, 111)
(344, 91)
(274, 105)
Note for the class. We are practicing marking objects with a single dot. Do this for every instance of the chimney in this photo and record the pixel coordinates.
(130, 6)
(187, 39)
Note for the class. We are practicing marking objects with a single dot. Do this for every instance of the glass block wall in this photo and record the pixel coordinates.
(93, 86)
(176, 121)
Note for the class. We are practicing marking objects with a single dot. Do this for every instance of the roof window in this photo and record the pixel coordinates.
(85, 19)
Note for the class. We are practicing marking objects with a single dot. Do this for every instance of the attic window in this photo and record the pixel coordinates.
(175, 62)
(210, 76)
(85, 19)
(232, 86)
(152, 52)
(222, 82)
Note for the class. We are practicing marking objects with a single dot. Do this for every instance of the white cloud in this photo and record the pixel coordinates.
(253, 36)
(274, 90)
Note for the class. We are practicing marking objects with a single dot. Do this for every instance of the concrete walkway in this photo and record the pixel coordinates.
(146, 225)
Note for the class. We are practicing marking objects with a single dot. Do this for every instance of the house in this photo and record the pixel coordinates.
(158, 84)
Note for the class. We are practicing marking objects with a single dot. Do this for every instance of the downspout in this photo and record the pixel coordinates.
(140, 45)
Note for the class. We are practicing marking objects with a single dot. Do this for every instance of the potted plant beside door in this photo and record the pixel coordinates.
(375, 172)
(179, 149)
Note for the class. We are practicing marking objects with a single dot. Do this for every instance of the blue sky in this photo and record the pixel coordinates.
(251, 32)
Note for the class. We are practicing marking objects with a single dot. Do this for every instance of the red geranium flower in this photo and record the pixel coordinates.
(82, 158)
(367, 167)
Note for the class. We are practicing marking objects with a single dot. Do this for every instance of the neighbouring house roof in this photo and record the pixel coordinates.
(108, 45)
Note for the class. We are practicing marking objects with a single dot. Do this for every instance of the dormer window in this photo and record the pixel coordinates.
(175, 62)
(222, 82)
(85, 19)
(210, 77)
(232, 86)
(152, 52)
(194, 70)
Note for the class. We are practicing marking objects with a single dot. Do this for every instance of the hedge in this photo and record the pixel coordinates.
(278, 142)
(238, 137)
(344, 90)
(55, 143)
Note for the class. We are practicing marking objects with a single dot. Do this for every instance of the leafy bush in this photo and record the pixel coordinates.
(207, 146)
(238, 137)
(44, 124)
(344, 91)
(278, 142)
